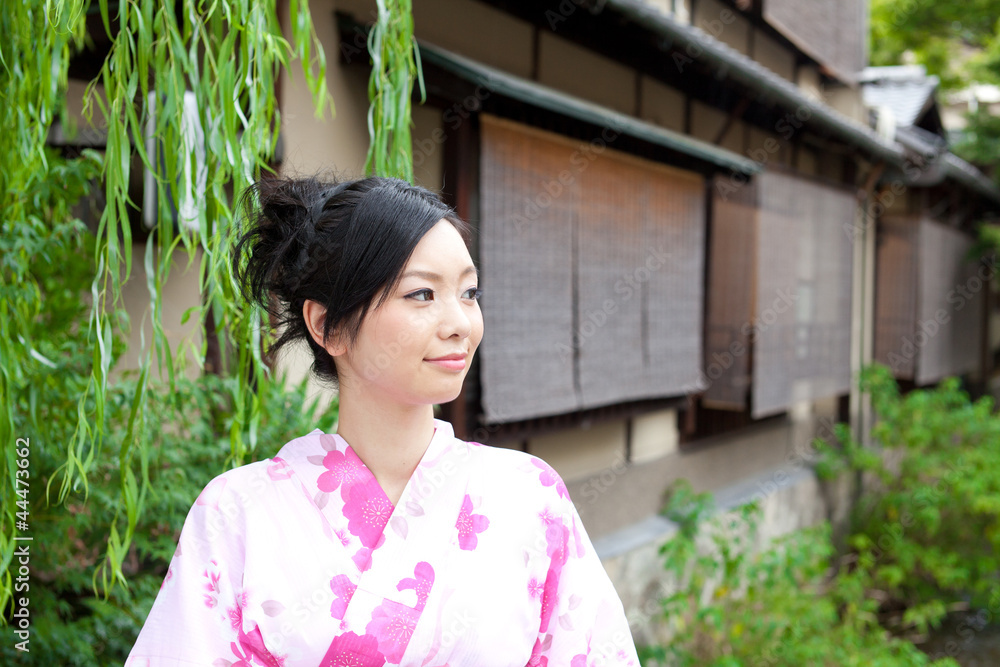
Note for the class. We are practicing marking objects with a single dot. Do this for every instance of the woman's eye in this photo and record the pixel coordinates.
(421, 295)
(474, 293)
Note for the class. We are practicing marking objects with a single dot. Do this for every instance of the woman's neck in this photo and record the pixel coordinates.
(388, 437)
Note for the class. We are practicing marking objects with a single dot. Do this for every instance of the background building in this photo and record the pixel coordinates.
(695, 221)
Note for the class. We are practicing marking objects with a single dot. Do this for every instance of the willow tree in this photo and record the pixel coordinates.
(187, 91)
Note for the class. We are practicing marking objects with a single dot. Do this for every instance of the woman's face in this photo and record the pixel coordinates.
(433, 313)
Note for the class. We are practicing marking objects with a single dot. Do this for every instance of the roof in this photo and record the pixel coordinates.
(752, 74)
(500, 82)
(906, 90)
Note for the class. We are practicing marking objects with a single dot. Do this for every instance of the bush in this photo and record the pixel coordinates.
(736, 604)
(926, 538)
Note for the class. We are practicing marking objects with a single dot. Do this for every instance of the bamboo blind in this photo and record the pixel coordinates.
(896, 293)
(592, 273)
(731, 278)
(802, 303)
(949, 292)
(928, 300)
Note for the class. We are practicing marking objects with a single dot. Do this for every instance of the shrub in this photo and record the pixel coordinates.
(926, 537)
(737, 604)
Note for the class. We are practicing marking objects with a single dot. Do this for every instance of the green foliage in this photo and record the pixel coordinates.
(979, 143)
(36, 226)
(924, 540)
(188, 445)
(117, 460)
(187, 440)
(737, 604)
(928, 535)
(938, 33)
(957, 41)
(395, 66)
(224, 56)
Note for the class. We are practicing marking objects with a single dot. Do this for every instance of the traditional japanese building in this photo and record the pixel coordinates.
(695, 222)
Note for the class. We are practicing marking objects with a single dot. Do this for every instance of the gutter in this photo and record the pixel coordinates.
(963, 172)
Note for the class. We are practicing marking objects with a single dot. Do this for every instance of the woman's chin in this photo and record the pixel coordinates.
(444, 396)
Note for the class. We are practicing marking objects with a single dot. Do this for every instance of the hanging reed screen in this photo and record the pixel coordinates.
(592, 266)
(929, 300)
(949, 319)
(802, 303)
(732, 270)
(896, 293)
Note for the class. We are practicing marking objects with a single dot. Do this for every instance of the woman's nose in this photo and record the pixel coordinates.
(455, 320)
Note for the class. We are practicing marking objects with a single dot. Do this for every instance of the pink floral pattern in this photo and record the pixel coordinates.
(535, 588)
(351, 650)
(279, 470)
(469, 524)
(367, 510)
(252, 652)
(550, 477)
(343, 589)
(556, 536)
(236, 612)
(363, 559)
(262, 541)
(537, 659)
(343, 469)
(393, 623)
(212, 596)
(421, 583)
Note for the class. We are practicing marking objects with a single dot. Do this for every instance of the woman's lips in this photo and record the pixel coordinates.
(451, 362)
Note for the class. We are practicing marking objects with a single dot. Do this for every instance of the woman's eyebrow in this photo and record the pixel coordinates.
(430, 275)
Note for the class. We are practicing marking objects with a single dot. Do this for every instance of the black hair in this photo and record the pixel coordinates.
(341, 244)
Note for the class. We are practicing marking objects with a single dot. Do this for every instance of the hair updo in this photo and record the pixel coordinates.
(339, 244)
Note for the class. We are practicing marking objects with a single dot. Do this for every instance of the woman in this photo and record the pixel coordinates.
(390, 542)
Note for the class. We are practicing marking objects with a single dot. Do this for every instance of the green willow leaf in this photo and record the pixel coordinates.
(161, 78)
(395, 66)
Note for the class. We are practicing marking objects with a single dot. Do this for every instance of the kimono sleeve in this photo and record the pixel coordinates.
(197, 615)
(583, 622)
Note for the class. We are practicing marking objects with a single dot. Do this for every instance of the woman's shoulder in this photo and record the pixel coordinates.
(519, 469)
(252, 478)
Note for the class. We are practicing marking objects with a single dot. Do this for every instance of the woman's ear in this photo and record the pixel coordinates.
(314, 313)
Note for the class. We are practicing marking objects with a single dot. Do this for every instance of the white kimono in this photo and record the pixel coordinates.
(302, 560)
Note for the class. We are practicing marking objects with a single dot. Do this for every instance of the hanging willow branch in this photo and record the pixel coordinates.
(395, 65)
(188, 88)
(35, 44)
